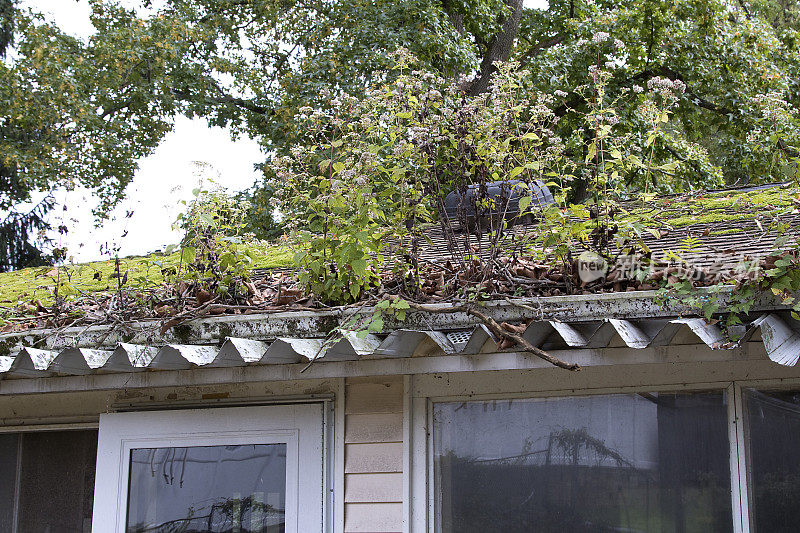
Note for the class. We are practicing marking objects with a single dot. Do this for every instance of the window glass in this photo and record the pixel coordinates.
(649, 462)
(9, 443)
(209, 489)
(773, 430)
(47, 481)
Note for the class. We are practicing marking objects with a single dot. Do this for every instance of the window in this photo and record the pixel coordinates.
(209, 488)
(773, 430)
(632, 462)
(242, 469)
(47, 481)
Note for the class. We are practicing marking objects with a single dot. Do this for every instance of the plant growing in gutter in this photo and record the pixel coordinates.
(376, 171)
(215, 252)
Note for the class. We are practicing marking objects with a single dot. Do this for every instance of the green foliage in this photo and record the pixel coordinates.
(82, 113)
(730, 60)
(215, 251)
(382, 166)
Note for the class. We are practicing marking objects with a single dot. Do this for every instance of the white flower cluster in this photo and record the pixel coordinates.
(665, 84)
(600, 37)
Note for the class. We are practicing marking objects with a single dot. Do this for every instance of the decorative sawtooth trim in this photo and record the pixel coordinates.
(780, 335)
(781, 340)
(708, 333)
(80, 361)
(480, 335)
(183, 357)
(32, 363)
(131, 357)
(5, 364)
(285, 350)
(640, 334)
(538, 332)
(593, 334)
(235, 351)
(404, 342)
(350, 347)
(631, 334)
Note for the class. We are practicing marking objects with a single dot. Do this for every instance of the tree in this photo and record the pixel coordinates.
(83, 112)
(736, 60)
(75, 113)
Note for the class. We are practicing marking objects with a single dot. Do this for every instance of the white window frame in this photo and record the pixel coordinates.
(424, 391)
(304, 427)
(743, 460)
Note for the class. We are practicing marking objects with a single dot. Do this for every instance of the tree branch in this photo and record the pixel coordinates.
(540, 47)
(224, 99)
(696, 99)
(498, 330)
(456, 19)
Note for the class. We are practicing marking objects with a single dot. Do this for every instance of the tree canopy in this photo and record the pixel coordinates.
(81, 112)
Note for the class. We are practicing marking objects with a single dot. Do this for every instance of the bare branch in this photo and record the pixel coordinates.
(540, 47)
(498, 330)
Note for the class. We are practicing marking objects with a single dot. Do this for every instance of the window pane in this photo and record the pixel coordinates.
(8, 478)
(208, 489)
(650, 462)
(56, 488)
(773, 424)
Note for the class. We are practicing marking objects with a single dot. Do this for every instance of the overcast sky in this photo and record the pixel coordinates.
(163, 179)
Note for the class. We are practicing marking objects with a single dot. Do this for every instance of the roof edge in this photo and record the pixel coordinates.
(319, 323)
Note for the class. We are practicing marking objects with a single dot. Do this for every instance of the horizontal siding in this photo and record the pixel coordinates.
(383, 397)
(380, 427)
(373, 455)
(379, 457)
(373, 517)
(372, 488)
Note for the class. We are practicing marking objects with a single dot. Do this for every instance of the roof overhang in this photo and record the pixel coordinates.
(283, 345)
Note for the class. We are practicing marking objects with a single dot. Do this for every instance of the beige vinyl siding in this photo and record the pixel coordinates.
(373, 455)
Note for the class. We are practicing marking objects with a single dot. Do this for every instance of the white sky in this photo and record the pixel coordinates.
(164, 178)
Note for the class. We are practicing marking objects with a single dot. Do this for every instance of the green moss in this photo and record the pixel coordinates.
(727, 206)
(99, 276)
(183, 332)
(728, 231)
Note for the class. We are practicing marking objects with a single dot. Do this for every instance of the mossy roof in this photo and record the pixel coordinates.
(733, 205)
(39, 283)
(722, 217)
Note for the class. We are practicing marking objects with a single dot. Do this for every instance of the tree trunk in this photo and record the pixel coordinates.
(499, 48)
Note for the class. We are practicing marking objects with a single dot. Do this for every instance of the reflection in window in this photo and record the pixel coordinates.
(210, 489)
(649, 462)
(773, 428)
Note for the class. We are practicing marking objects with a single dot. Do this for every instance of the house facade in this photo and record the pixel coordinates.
(267, 423)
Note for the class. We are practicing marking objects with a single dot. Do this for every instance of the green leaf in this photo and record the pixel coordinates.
(591, 151)
(188, 254)
(355, 290)
(515, 172)
(401, 304)
(359, 266)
